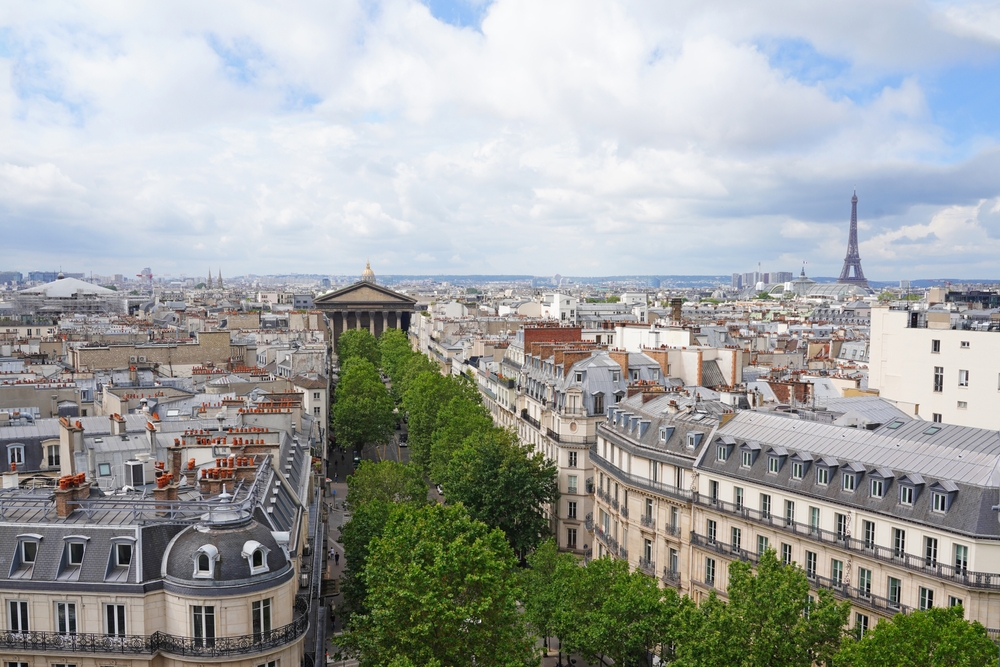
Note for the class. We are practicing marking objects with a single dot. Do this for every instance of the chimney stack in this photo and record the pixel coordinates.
(675, 308)
(117, 424)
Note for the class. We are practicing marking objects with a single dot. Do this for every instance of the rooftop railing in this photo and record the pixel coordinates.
(635, 481)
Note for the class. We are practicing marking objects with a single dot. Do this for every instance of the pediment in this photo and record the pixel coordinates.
(364, 293)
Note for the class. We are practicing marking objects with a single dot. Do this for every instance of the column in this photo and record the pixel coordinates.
(371, 322)
(337, 320)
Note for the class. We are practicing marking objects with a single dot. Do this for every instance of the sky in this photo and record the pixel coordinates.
(500, 137)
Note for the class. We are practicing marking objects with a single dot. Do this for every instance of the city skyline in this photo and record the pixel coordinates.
(577, 139)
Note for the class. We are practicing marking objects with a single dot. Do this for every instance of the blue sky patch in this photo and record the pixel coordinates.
(241, 58)
(800, 60)
(459, 13)
(965, 100)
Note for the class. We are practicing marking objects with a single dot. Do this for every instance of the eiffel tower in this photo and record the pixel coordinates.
(853, 259)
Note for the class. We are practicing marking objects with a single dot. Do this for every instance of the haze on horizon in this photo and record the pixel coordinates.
(503, 137)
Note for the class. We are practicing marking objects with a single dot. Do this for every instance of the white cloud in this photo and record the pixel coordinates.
(615, 137)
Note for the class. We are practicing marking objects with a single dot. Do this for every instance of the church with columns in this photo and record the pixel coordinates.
(366, 305)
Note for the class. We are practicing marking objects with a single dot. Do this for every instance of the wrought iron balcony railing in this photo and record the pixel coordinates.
(205, 647)
(647, 520)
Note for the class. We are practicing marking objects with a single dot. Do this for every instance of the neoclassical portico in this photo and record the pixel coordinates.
(366, 305)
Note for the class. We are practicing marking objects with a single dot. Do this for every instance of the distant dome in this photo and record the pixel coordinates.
(61, 276)
(368, 276)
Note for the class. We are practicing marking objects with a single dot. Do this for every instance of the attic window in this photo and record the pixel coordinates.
(932, 430)
(123, 555)
(663, 434)
(905, 494)
(747, 459)
(74, 553)
(940, 502)
(256, 555)
(894, 425)
(205, 560)
(29, 550)
(722, 453)
(579, 376)
(616, 376)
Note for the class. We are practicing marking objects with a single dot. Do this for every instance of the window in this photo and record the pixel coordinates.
(860, 625)
(647, 550)
(811, 564)
(571, 538)
(837, 571)
(649, 508)
(673, 561)
(115, 620)
(572, 459)
(736, 539)
(814, 518)
(29, 549)
(954, 601)
(786, 553)
(865, 581)
(822, 476)
(52, 456)
(747, 459)
(789, 512)
(936, 417)
(571, 509)
(899, 542)
(691, 440)
(939, 378)
(571, 485)
(261, 612)
(963, 378)
(926, 598)
(316, 410)
(895, 588)
(315, 395)
(935, 346)
(962, 405)
(123, 555)
(868, 533)
(906, 495)
(598, 404)
(710, 530)
(738, 497)
(66, 618)
(675, 518)
(762, 544)
(961, 558)
(74, 553)
(710, 571)
(722, 453)
(964, 345)
(878, 488)
(849, 480)
(840, 522)
(773, 464)
(930, 551)
(15, 455)
(940, 501)
(797, 469)
(765, 506)
(204, 563)
(713, 490)
(104, 469)
(203, 623)
(17, 618)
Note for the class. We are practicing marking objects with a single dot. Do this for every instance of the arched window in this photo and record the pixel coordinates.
(256, 555)
(258, 558)
(205, 560)
(204, 564)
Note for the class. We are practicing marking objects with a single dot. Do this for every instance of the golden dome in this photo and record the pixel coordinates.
(368, 276)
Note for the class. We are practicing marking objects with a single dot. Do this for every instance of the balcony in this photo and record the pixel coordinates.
(722, 548)
(160, 642)
(624, 511)
(859, 597)
(590, 485)
(622, 552)
(638, 482)
(614, 503)
(648, 566)
(957, 575)
(571, 439)
(589, 521)
(647, 521)
(671, 577)
(672, 529)
(531, 420)
(603, 495)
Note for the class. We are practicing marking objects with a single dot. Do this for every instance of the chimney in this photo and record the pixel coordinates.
(622, 358)
(176, 458)
(54, 409)
(662, 358)
(117, 424)
(675, 308)
(151, 438)
(70, 444)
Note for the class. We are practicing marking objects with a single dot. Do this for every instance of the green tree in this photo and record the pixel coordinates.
(618, 614)
(409, 369)
(423, 399)
(764, 624)
(502, 484)
(367, 522)
(459, 419)
(394, 349)
(355, 343)
(386, 480)
(362, 410)
(934, 638)
(442, 590)
(548, 582)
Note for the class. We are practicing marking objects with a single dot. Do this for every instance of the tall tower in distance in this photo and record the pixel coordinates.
(853, 259)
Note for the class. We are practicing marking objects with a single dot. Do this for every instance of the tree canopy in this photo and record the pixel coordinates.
(358, 343)
(933, 638)
(362, 410)
(442, 589)
(388, 481)
(504, 485)
(459, 419)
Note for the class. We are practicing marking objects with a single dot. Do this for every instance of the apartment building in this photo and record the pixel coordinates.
(192, 560)
(937, 364)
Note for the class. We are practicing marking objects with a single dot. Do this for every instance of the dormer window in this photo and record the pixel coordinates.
(905, 494)
(773, 464)
(579, 376)
(747, 459)
(692, 440)
(722, 453)
(205, 560)
(74, 553)
(943, 495)
(849, 480)
(29, 549)
(616, 376)
(822, 476)
(877, 488)
(256, 555)
(940, 502)
(797, 469)
(123, 554)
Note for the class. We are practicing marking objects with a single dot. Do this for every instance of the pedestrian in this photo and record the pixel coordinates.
(333, 622)
(336, 477)
(336, 558)
(332, 552)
